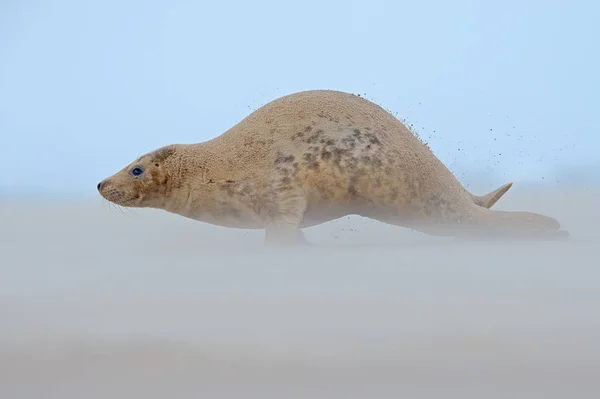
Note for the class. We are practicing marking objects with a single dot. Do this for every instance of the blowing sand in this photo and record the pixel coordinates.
(95, 303)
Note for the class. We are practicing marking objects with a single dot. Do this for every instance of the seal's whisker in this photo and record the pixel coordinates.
(121, 210)
(127, 211)
(106, 203)
(123, 207)
(115, 208)
(111, 206)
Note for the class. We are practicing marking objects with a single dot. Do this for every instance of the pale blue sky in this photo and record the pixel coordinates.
(86, 86)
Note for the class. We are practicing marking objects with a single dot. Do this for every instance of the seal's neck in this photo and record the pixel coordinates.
(190, 170)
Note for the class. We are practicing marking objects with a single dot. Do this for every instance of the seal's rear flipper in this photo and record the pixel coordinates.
(487, 224)
(514, 236)
(488, 200)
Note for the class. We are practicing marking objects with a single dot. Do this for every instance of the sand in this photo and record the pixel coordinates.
(96, 303)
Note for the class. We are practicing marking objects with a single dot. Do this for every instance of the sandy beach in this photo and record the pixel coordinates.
(96, 302)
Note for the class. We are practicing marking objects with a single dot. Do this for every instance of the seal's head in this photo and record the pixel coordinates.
(145, 183)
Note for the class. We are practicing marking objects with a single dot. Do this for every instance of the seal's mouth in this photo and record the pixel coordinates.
(116, 196)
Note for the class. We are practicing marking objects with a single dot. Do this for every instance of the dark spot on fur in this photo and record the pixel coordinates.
(284, 171)
(228, 187)
(285, 186)
(325, 155)
(352, 192)
(374, 140)
(352, 187)
(311, 160)
(352, 164)
(308, 129)
(283, 159)
(339, 153)
(439, 207)
(314, 137)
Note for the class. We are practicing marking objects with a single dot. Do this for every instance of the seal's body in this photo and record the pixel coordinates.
(308, 158)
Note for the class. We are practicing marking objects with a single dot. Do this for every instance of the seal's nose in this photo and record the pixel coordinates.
(100, 185)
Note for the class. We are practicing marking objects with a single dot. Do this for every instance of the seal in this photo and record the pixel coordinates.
(308, 158)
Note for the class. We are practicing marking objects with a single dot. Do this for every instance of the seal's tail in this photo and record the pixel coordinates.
(488, 200)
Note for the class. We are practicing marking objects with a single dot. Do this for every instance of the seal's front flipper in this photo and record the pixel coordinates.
(488, 200)
(284, 212)
(283, 223)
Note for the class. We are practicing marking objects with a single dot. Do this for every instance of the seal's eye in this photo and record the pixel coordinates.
(137, 171)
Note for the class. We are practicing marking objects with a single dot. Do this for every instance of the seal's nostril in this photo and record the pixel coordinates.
(99, 186)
